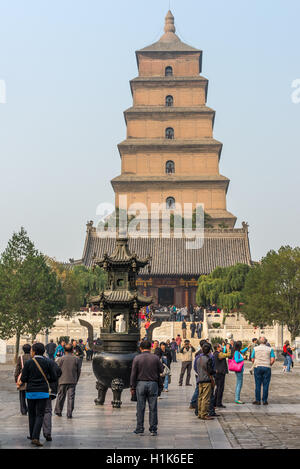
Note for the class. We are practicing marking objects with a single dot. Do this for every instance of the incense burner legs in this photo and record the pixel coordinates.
(112, 370)
(102, 390)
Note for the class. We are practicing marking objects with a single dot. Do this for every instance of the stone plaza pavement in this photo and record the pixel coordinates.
(245, 426)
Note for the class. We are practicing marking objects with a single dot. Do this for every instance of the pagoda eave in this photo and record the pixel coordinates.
(170, 178)
(131, 145)
(120, 297)
(167, 112)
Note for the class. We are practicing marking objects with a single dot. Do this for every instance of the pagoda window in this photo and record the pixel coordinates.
(170, 203)
(170, 167)
(169, 101)
(169, 71)
(170, 133)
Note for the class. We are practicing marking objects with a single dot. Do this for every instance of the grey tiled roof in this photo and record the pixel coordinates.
(170, 257)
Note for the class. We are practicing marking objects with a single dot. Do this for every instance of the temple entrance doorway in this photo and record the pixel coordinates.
(166, 296)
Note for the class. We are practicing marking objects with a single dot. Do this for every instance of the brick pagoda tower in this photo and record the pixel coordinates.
(170, 154)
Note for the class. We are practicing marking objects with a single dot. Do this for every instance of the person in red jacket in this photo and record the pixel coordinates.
(178, 341)
(288, 356)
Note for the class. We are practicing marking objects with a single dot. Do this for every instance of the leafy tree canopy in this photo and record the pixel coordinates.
(272, 290)
(223, 287)
(31, 295)
(79, 283)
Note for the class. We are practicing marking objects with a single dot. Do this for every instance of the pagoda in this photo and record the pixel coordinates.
(171, 157)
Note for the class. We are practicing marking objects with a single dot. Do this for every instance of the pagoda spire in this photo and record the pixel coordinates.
(169, 29)
(169, 23)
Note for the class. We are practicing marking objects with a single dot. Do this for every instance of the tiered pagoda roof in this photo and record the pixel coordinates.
(121, 256)
(169, 40)
(121, 296)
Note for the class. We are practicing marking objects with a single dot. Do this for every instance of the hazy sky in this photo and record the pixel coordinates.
(67, 64)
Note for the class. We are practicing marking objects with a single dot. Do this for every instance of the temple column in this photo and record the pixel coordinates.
(186, 296)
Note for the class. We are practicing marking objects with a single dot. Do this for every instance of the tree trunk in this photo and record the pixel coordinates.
(294, 334)
(294, 331)
(17, 346)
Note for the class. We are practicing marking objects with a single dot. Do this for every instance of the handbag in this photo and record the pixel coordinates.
(18, 383)
(52, 395)
(234, 366)
(166, 372)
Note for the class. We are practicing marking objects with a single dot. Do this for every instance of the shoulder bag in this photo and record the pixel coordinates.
(51, 394)
(234, 366)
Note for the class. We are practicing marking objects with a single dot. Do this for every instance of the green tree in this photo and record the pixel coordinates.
(31, 296)
(70, 286)
(223, 287)
(90, 280)
(43, 295)
(272, 290)
(79, 283)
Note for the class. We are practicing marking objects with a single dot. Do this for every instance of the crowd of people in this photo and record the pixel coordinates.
(40, 379)
(175, 313)
(151, 374)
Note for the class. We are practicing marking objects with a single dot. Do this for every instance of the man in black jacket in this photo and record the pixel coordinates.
(50, 349)
(221, 371)
(37, 374)
(166, 354)
(193, 327)
(145, 374)
(156, 349)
